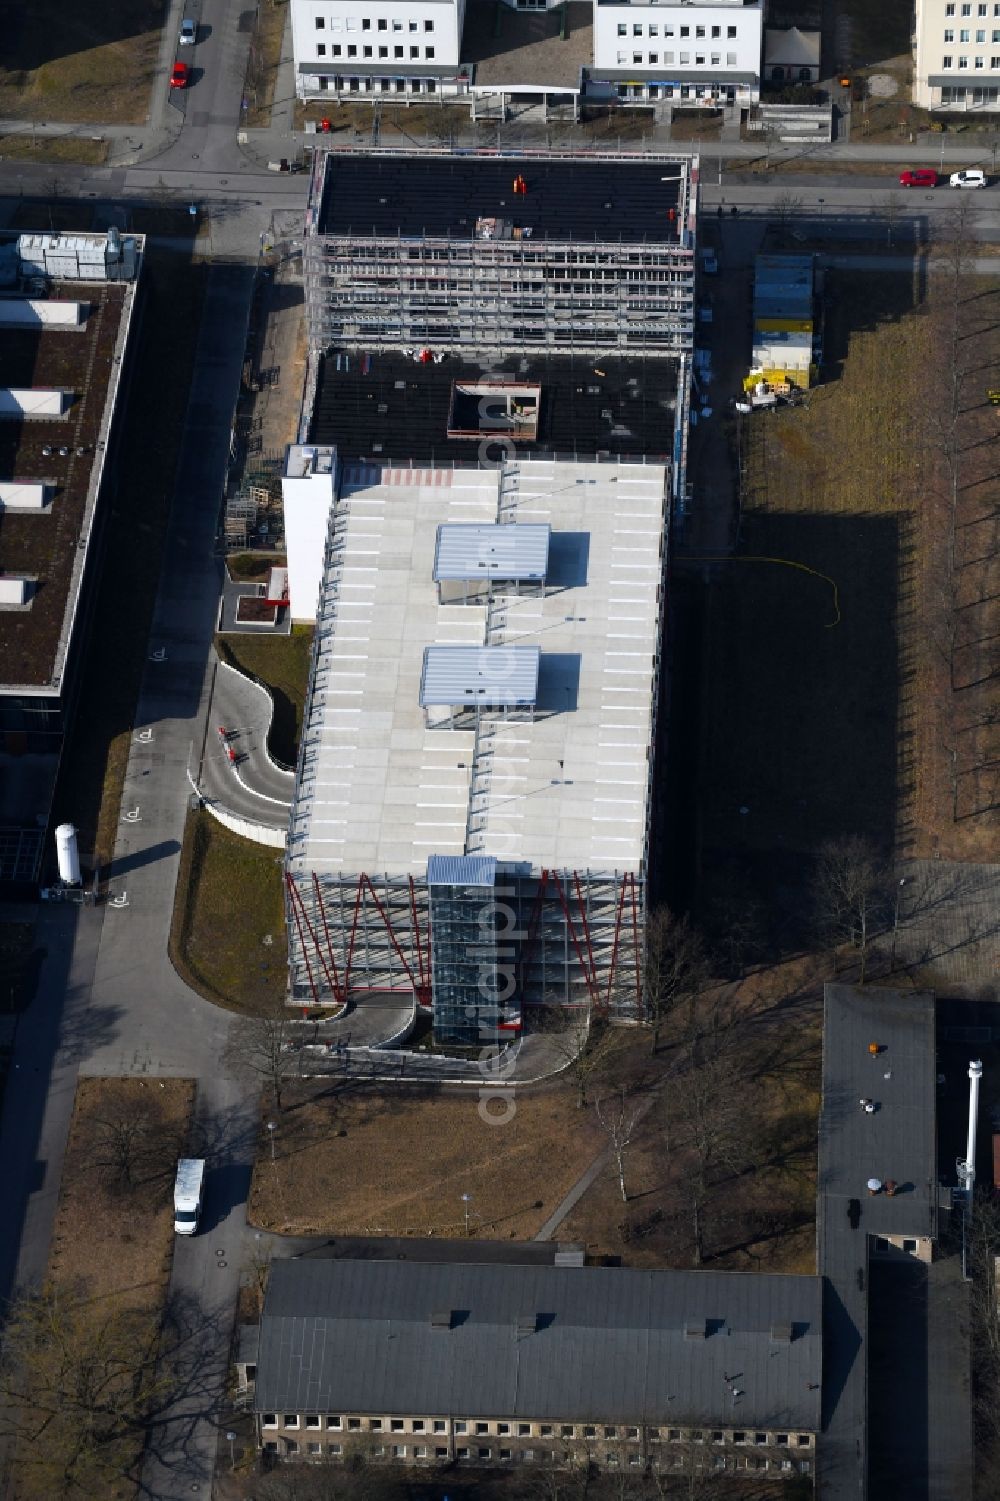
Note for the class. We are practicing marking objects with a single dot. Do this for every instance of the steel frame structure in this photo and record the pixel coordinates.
(465, 295)
(578, 939)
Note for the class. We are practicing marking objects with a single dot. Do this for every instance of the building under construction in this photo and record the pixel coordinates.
(472, 813)
(472, 253)
(477, 518)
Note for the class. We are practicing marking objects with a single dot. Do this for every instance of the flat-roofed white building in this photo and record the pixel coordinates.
(477, 756)
(377, 47)
(956, 55)
(676, 52)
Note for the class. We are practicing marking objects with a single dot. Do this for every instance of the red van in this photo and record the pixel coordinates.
(918, 177)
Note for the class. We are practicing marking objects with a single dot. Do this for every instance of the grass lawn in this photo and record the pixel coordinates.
(840, 730)
(282, 662)
(84, 151)
(227, 936)
(64, 61)
(246, 567)
(264, 59)
(137, 511)
(397, 1163)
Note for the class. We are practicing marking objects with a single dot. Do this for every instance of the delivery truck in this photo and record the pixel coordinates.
(189, 1186)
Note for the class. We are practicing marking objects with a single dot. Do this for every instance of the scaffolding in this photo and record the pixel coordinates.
(472, 291)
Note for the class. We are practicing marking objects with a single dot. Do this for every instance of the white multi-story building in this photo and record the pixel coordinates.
(679, 52)
(956, 54)
(377, 47)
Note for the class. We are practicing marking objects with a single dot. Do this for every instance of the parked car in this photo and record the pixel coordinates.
(969, 177)
(189, 33)
(709, 263)
(918, 177)
(179, 75)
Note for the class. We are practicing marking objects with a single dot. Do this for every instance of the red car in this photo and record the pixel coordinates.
(179, 76)
(918, 177)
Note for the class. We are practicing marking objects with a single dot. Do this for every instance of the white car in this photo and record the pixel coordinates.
(189, 33)
(969, 177)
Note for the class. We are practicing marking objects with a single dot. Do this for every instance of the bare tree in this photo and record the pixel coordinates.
(676, 970)
(261, 1047)
(619, 1121)
(850, 891)
(785, 207)
(585, 1047)
(132, 1144)
(79, 1386)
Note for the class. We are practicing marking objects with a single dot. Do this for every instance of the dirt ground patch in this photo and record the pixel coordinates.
(63, 61)
(227, 936)
(85, 151)
(398, 1164)
(264, 61)
(112, 1238)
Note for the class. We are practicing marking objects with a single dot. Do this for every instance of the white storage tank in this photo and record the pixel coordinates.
(67, 855)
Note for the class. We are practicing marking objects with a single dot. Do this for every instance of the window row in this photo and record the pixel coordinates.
(714, 59)
(336, 50)
(652, 28)
(978, 63)
(485, 1427)
(352, 23)
(960, 96)
(613, 1458)
(965, 35)
(966, 8)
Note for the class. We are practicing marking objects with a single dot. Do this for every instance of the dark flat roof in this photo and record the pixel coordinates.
(898, 1140)
(47, 544)
(445, 195)
(626, 410)
(585, 1343)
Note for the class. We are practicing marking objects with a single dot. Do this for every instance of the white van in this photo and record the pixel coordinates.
(189, 1186)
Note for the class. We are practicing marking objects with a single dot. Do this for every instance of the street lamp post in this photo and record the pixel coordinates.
(272, 1127)
(231, 1437)
(895, 920)
(466, 1201)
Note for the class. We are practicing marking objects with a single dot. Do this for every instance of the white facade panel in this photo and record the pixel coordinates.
(692, 46)
(403, 37)
(307, 489)
(956, 55)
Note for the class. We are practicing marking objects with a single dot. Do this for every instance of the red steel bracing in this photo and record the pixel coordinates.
(635, 941)
(594, 996)
(617, 937)
(354, 934)
(326, 933)
(302, 942)
(388, 928)
(425, 974)
(315, 941)
(586, 925)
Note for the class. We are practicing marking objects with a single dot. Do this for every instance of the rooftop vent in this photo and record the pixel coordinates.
(527, 1323)
(442, 1319)
(696, 1329)
(781, 1334)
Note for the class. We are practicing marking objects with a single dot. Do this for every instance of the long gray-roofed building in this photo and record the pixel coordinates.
(490, 1362)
